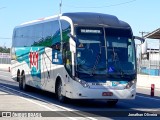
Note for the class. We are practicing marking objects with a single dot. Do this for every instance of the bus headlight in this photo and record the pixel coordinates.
(129, 84)
(82, 82)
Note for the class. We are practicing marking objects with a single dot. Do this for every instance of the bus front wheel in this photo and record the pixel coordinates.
(112, 102)
(59, 89)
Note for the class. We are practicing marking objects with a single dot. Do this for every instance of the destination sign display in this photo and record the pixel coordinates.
(89, 30)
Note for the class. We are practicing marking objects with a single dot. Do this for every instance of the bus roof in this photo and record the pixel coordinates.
(96, 19)
(84, 19)
(40, 20)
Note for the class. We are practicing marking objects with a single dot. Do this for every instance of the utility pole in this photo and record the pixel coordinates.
(60, 7)
(60, 25)
(143, 32)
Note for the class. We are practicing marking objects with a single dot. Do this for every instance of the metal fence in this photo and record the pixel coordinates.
(150, 65)
(5, 58)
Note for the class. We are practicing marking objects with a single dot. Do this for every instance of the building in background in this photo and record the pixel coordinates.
(150, 54)
(5, 58)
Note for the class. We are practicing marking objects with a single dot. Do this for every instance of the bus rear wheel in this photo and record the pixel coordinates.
(59, 89)
(22, 83)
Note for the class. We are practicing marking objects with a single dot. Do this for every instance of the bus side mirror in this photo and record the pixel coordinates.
(74, 38)
(139, 38)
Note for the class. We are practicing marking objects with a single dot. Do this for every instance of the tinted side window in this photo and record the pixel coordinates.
(27, 36)
(50, 34)
(66, 29)
(14, 38)
(36, 34)
(43, 34)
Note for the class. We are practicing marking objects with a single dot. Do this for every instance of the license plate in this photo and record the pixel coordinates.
(107, 94)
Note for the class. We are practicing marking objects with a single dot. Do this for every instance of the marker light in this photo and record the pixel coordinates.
(129, 84)
(82, 82)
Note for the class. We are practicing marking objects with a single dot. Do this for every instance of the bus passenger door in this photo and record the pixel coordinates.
(67, 58)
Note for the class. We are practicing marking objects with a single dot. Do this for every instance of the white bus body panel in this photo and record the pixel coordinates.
(77, 91)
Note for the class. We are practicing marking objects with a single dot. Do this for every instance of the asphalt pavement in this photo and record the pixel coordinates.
(45, 105)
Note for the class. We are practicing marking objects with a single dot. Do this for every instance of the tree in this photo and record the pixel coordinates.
(4, 50)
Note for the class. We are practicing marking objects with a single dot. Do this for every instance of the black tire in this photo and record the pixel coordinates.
(112, 103)
(59, 88)
(18, 76)
(22, 83)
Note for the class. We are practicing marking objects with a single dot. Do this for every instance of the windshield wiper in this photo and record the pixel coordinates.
(97, 61)
(115, 55)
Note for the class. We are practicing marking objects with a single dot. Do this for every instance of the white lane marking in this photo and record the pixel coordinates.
(147, 97)
(7, 76)
(64, 108)
(30, 100)
(39, 104)
(4, 71)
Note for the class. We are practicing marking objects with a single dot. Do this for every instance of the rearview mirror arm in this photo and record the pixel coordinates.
(139, 38)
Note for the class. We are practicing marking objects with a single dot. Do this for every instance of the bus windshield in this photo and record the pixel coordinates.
(90, 52)
(104, 51)
(120, 51)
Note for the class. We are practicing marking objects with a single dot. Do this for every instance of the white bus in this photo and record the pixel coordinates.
(77, 56)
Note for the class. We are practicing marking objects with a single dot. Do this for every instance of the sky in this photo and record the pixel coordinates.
(141, 15)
